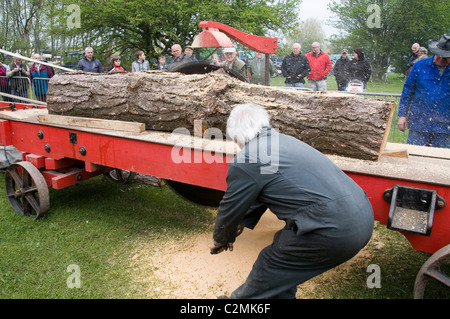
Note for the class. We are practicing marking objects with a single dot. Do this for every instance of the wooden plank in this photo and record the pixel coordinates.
(23, 99)
(92, 123)
(180, 140)
(20, 115)
(36, 160)
(414, 169)
(386, 132)
(399, 153)
(422, 151)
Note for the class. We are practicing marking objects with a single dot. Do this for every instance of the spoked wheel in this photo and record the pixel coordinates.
(120, 176)
(27, 189)
(431, 269)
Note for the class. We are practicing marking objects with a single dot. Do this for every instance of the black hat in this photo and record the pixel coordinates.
(442, 47)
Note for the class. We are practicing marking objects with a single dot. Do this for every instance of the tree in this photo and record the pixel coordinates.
(387, 28)
(119, 26)
(19, 19)
(306, 33)
(154, 25)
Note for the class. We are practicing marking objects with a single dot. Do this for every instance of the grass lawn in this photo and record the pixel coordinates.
(97, 226)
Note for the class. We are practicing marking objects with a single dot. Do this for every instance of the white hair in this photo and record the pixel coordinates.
(246, 122)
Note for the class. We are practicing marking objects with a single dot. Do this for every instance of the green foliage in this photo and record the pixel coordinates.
(306, 33)
(155, 25)
(123, 27)
(402, 23)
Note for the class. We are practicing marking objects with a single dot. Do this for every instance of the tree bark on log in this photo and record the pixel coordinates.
(333, 123)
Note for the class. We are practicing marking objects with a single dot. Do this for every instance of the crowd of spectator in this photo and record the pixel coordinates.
(295, 67)
(17, 77)
(315, 66)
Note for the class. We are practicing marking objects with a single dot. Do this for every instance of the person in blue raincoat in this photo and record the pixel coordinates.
(425, 101)
(40, 75)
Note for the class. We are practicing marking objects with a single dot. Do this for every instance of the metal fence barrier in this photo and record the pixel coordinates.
(40, 88)
(20, 89)
(19, 86)
(5, 88)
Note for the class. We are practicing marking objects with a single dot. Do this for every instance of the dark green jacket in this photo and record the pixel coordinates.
(258, 72)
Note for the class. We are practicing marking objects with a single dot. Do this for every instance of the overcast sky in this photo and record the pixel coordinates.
(318, 9)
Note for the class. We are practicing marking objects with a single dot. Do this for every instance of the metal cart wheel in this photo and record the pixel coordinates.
(27, 189)
(120, 176)
(431, 269)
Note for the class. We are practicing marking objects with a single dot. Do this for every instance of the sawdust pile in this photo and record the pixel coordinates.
(189, 271)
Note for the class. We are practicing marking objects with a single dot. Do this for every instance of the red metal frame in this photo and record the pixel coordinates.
(63, 163)
(51, 146)
(211, 37)
(6, 106)
(115, 152)
(375, 186)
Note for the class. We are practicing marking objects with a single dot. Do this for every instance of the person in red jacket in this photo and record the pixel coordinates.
(320, 64)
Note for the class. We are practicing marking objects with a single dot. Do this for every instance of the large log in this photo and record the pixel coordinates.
(334, 123)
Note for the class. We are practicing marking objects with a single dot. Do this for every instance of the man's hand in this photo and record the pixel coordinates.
(217, 248)
(239, 230)
(402, 123)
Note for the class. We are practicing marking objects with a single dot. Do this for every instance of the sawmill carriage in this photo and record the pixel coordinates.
(408, 186)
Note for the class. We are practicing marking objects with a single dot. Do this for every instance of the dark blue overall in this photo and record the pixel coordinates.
(329, 218)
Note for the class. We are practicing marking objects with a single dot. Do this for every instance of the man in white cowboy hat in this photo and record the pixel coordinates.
(233, 63)
(425, 102)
